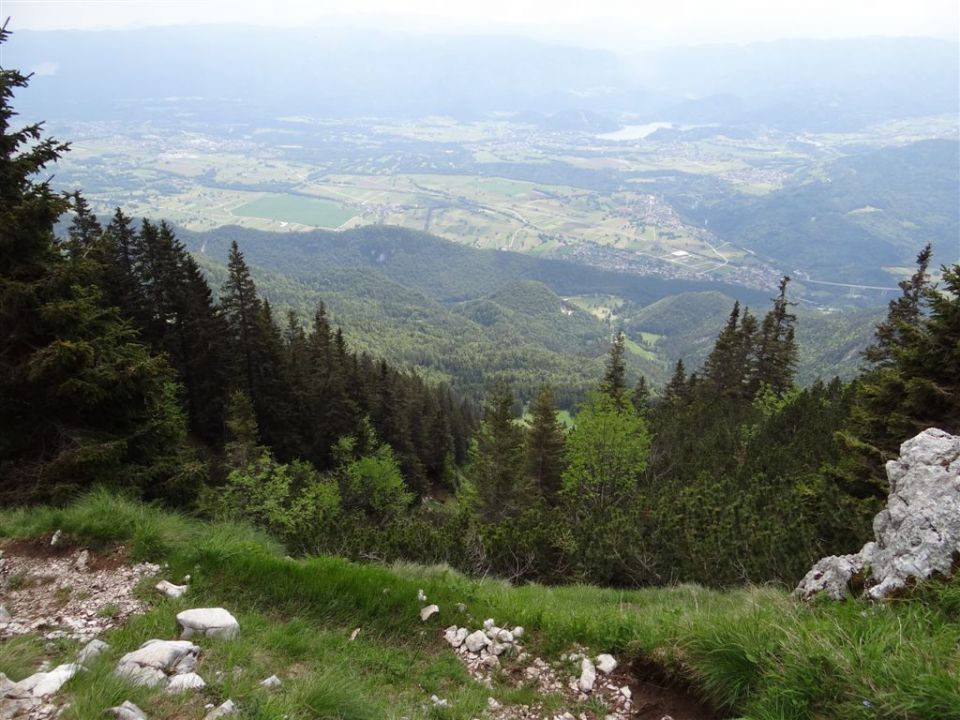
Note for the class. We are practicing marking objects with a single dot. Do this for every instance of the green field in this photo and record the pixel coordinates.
(296, 209)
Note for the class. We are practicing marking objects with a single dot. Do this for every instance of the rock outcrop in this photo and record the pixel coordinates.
(916, 536)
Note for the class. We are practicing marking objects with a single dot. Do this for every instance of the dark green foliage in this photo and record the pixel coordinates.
(615, 378)
(80, 399)
(545, 442)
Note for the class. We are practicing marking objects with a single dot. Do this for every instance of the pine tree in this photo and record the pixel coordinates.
(241, 309)
(677, 387)
(85, 230)
(615, 378)
(496, 459)
(640, 399)
(776, 353)
(545, 446)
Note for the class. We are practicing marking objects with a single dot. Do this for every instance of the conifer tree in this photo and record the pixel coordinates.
(677, 386)
(496, 459)
(84, 230)
(640, 399)
(615, 378)
(241, 310)
(776, 354)
(545, 446)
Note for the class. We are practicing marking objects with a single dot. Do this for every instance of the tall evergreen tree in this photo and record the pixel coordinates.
(615, 377)
(241, 310)
(776, 354)
(545, 446)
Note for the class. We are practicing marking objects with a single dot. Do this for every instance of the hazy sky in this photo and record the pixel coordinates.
(615, 24)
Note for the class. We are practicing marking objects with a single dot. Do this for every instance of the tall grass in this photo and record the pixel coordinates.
(755, 652)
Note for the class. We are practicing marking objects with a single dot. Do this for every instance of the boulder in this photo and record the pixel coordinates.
(215, 622)
(44, 684)
(917, 535)
(185, 682)
(428, 612)
(156, 659)
(127, 711)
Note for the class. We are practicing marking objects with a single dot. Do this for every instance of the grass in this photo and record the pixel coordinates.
(757, 652)
(297, 209)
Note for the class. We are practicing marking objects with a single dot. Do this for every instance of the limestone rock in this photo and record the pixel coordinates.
(588, 676)
(428, 612)
(127, 711)
(91, 651)
(171, 590)
(606, 663)
(476, 641)
(215, 622)
(44, 684)
(185, 682)
(80, 564)
(155, 659)
(455, 636)
(271, 682)
(227, 708)
(917, 535)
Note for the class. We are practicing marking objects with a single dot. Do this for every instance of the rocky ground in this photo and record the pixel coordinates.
(55, 591)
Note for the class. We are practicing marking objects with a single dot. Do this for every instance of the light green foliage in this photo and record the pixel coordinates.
(606, 454)
(291, 501)
(371, 483)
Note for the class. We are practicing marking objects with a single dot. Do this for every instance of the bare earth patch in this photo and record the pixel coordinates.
(67, 592)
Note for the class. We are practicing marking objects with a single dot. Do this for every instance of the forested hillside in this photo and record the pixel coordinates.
(121, 365)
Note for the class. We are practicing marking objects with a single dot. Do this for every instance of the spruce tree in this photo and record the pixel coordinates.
(545, 446)
(615, 377)
(241, 310)
(496, 459)
(776, 353)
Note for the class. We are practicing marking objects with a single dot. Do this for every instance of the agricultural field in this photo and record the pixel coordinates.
(629, 202)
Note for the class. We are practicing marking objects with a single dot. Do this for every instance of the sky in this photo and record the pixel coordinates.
(619, 25)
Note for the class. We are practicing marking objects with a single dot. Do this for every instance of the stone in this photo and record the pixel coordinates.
(493, 704)
(517, 632)
(505, 636)
(80, 564)
(455, 636)
(421, 596)
(271, 682)
(185, 682)
(56, 537)
(626, 692)
(606, 663)
(428, 612)
(44, 684)
(588, 676)
(214, 622)
(127, 711)
(353, 635)
(91, 651)
(476, 641)
(5, 684)
(228, 707)
(5, 614)
(917, 535)
(488, 623)
(170, 590)
(438, 702)
(155, 659)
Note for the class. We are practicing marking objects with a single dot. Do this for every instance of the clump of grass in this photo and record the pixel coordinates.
(20, 656)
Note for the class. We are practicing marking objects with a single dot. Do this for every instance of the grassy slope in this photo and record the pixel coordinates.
(755, 651)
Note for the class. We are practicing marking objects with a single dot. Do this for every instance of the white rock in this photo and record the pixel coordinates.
(517, 632)
(488, 623)
(626, 692)
(505, 636)
(421, 596)
(187, 681)
(43, 684)
(127, 711)
(155, 659)
(428, 612)
(917, 535)
(476, 641)
(606, 663)
(80, 564)
(91, 651)
(353, 635)
(56, 537)
(490, 661)
(498, 648)
(493, 704)
(588, 676)
(438, 702)
(215, 622)
(455, 636)
(271, 682)
(227, 708)
(171, 590)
